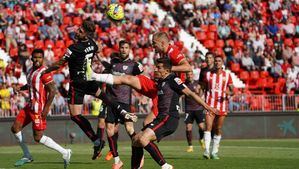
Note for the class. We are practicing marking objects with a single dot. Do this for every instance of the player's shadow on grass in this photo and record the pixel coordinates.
(58, 162)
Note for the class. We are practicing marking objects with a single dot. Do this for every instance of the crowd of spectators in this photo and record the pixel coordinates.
(251, 35)
(257, 35)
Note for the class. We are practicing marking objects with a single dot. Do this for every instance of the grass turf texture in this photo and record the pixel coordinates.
(234, 154)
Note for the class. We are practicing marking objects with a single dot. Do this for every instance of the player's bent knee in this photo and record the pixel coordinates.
(37, 138)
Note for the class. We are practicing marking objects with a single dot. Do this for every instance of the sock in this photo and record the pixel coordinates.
(47, 141)
(106, 78)
(155, 153)
(100, 133)
(200, 133)
(189, 137)
(216, 142)
(165, 166)
(113, 145)
(24, 147)
(85, 126)
(137, 154)
(116, 136)
(207, 138)
(116, 160)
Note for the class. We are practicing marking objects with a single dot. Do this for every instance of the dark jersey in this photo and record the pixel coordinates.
(79, 56)
(169, 91)
(119, 67)
(191, 104)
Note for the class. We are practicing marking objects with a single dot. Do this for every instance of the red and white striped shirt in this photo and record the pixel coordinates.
(37, 91)
(217, 87)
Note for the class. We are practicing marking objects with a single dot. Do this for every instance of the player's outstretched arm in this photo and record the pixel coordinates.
(183, 66)
(56, 65)
(199, 100)
(110, 79)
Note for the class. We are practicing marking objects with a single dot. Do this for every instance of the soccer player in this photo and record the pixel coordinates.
(79, 57)
(120, 65)
(168, 89)
(161, 43)
(42, 91)
(193, 112)
(219, 88)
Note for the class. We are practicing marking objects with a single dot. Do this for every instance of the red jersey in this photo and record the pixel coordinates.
(149, 89)
(176, 56)
(216, 92)
(37, 91)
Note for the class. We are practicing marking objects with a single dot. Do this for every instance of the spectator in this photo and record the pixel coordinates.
(247, 62)
(276, 70)
(54, 31)
(43, 30)
(10, 36)
(223, 30)
(59, 104)
(5, 98)
(49, 55)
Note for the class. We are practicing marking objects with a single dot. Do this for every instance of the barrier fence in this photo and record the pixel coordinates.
(238, 103)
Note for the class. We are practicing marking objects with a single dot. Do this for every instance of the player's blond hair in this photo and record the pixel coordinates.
(161, 35)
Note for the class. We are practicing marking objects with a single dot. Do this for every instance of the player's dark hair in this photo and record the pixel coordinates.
(122, 42)
(38, 50)
(218, 56)
(167, 64)
(210, 53)
(89, 27)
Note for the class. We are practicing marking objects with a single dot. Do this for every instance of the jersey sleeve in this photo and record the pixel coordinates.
(137, 69)
(177, 85)
(47, 78)
(68, 53)
(176, 56)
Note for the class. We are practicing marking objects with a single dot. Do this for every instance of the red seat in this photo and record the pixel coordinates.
(204, 28)
(209, 44)
(231, 42)
(80, 5)
(264, 74)
(77, 21)
(254, 75)
(13, 52)
(239, 43)
(269, 42)
(68, 43)
(59, 44)
(33, 28)
(201, 36)
(235, 67)
(244, 75)
(39, 44)
(1, 36)
(213, 28)
(67, 20)
(288, 42)
(211, 35)
(219, 43)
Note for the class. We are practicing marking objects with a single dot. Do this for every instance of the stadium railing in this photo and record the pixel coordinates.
(238, 103)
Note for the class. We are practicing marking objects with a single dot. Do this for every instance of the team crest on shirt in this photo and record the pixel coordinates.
(178, 81)
(125, 67)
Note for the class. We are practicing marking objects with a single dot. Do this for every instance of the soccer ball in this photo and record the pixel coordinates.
(115, 12)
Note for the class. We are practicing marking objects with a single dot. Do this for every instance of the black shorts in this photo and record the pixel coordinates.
(103, 111)
(78, 89)
(113, 117)
(198, 116)
(163, 125)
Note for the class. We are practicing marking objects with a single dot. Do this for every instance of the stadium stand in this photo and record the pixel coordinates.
(260, 43)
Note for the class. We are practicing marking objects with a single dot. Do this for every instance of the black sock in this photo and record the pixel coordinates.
(85, 126)
(100, 133)
(189, 137)
(113, 146)
(155, 153)
(115, 136)
(201, 134)
(137, 154)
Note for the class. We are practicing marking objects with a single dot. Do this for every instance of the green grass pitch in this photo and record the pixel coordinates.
(234, 154)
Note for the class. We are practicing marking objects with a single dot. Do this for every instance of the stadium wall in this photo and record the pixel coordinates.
(237, 126)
